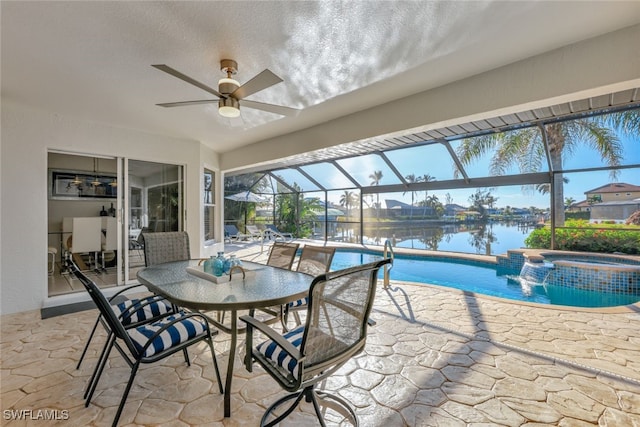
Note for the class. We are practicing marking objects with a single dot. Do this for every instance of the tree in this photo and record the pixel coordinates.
(295, 213)
(347, 200)
(479, 200)
(236, 184)
(426, 178)
(376, 177)
(568, 201)
(545, 187)
(592, 200)
(491, 201)
(411, 179)
(432, 201)
(448, 199)
(524, 147)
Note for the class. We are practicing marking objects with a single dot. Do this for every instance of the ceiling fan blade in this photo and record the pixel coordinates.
(271, 108)
(178, 74)
(183, 103)
(262, 81)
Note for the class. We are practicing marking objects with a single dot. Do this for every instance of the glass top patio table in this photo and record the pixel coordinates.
(269, 286)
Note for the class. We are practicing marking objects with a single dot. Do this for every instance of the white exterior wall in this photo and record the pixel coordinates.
(27, 135)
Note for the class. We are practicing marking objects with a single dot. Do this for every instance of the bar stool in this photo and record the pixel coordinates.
(51, 253)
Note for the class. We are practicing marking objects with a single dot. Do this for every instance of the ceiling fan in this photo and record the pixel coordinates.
(230, 94)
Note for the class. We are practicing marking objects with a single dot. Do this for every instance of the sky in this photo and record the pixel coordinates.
(436, 161)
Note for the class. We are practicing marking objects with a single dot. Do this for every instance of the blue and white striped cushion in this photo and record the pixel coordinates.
(274, 352)
(299, 303)
(147, 312)
(177, 333)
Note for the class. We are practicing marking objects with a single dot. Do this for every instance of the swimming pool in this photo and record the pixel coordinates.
(480, 277)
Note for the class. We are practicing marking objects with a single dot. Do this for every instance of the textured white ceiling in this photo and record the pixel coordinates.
(93, 59)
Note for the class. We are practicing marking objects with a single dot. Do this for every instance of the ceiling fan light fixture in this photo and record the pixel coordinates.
(229, 107)
(230, 92)
(227, 85)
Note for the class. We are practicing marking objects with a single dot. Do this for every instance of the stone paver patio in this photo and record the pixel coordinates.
(436, 357)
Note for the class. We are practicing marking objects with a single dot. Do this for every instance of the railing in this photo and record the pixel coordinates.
(387, 253)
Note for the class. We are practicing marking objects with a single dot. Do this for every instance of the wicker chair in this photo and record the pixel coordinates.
(166, 247)
(335, 331)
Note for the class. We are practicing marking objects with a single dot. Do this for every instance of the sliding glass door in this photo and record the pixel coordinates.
(154, 202)
(83, 205)
(108, 202)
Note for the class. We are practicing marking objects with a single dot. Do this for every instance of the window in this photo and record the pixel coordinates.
(209, 205)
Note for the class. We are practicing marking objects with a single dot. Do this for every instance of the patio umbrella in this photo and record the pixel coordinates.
(246, 197)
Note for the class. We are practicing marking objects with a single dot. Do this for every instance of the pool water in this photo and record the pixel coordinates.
(481, 278)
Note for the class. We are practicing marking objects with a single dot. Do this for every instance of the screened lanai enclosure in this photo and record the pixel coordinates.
(562, 177)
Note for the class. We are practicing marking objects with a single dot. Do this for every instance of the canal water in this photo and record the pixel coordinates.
(485, 239)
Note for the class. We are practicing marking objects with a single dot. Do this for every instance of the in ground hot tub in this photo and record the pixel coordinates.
(598, 273)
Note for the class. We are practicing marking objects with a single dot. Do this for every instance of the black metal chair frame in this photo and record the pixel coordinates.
(132, 356)
(125, 315)
(310, 374)
(180, 239)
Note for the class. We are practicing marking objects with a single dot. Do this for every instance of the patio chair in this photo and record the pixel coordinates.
(137, 243)
(254, 232)
(314, 260)
(273, 233)
(133, 312)
(231, 233)
(335, 331)
(145, 343)
(282, 254)
(166, 246)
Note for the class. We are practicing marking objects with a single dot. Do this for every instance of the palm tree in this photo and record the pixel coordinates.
(524, 147)
(426, 178)
(568, 201)
(347, 200)
(433, 203)
(448, 199)
(375, 177)
(411, 179)
(545, 187)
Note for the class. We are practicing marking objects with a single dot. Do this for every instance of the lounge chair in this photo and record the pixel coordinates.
(273, 233)
(232, 233)
(253, 231)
